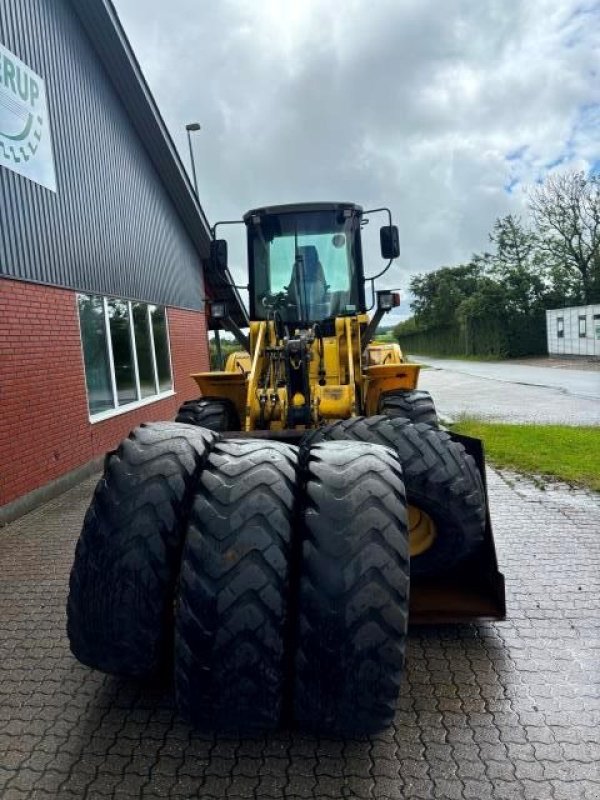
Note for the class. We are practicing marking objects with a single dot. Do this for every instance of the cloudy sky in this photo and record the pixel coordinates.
(445, 110)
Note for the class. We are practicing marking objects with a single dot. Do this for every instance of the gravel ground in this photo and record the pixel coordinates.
(505, 710)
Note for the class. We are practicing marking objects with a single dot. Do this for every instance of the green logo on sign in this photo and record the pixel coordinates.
(21, 122)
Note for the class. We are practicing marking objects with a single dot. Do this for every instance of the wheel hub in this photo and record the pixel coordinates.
(422, 531)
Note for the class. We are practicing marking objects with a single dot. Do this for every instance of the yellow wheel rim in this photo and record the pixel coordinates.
(421, 531)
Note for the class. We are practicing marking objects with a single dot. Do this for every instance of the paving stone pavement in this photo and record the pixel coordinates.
(506, 710)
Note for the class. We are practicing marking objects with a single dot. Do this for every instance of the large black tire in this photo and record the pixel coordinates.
(231, 616)
(353, 602)
(214, 413)
(119, 611)
(440, 477)
(416, 405)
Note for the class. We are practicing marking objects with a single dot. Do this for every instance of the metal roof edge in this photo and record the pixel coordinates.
(101, 22)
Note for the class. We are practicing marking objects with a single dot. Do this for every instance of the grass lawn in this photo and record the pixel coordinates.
(558, 451)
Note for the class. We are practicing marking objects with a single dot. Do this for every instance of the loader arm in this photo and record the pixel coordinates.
(257, 348)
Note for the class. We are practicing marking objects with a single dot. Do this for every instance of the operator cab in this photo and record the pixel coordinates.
(305, 262)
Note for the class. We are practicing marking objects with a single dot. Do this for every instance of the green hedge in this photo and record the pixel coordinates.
(526, 336)
(442, 341)
(500, 337)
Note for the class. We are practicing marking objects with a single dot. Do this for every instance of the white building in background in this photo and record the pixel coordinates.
(574, 331)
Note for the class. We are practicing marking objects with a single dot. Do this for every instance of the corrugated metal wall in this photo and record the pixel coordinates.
(111, 228)
(574, 341)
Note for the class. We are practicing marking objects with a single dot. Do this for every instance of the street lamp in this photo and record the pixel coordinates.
(192, 126)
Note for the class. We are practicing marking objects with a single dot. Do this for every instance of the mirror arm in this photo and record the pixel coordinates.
(213, 230)
(379, 274)
(389, 264)
(372, 306)
(377, 211)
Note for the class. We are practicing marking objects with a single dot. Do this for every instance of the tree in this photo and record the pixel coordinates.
(566, 211)
(438, 294)
(518, 265)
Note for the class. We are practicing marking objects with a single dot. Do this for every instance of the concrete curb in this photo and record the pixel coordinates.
(32, 500)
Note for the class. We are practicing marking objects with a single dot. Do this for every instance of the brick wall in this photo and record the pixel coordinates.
(44, 425)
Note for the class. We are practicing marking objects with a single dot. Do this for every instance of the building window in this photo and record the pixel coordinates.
(120, 337)
(144, 349)
(560, 327)
(582, 327)
(597, 325)
(161, 346)
(125, 351)
(95, 353)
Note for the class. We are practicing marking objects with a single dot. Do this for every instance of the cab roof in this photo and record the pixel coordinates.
(296, 208)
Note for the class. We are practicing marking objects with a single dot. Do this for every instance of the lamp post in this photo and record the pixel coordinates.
(195, 126)
(192, 126)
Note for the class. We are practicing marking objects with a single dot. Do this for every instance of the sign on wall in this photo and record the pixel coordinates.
(25, 140)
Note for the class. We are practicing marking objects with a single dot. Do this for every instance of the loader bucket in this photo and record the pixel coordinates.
(474, 592)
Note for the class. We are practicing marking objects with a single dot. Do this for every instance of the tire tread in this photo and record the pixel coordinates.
(415, 405)
(353, 597)
(127, 558)
(440, 477)
(214, 413)
(232, 609)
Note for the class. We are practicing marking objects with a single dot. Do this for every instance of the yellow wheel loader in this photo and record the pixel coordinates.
(271, 544)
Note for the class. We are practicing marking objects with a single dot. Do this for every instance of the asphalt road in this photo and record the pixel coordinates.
(508, 392)
(486, 712)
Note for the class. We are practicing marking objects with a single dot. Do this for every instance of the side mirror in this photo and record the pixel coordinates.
(390, 241)
(218, 253)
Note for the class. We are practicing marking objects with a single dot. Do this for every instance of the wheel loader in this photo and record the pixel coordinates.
(269, 547)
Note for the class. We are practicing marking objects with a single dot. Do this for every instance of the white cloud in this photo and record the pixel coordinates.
(435, 109)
